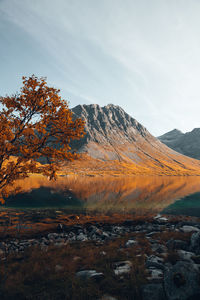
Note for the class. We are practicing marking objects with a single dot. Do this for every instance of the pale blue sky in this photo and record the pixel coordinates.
(143, 55)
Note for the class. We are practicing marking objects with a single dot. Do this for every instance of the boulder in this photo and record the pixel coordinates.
(181, 281)
(195, 243)
(153, 291)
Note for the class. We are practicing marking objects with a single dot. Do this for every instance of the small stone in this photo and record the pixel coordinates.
(163, 219)
(187, 228)
(155, 261)
(160, 219)
(81, 237)
(131, 243)
(185, 255)
(52, 236)
(155, 274)
(107, 297)
(90, 274)
(58, 268)
(157, 216)
(75, 258)
(122, 267)
(105, 234)
(148, 235)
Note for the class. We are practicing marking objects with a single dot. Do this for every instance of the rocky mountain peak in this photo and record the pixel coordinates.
(186, 143)
(108, 124)
(195, 131)
(176, 131)
(171, 135)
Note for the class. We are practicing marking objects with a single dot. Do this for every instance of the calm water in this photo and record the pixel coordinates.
(174, 195)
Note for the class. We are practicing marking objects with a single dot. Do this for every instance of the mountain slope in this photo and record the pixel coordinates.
(116, 141)
(187, 144)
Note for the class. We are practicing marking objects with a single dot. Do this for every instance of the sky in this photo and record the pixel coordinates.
(143, 55)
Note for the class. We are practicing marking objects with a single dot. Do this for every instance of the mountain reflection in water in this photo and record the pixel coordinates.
(103, 194)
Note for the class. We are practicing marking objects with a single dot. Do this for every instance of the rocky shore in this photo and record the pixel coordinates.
(172, 264)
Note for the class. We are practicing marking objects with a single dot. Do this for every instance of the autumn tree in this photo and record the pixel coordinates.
(34, 124)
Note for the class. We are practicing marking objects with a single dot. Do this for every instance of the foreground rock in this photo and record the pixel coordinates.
(181, 282)
(153, 292)
(195, 243)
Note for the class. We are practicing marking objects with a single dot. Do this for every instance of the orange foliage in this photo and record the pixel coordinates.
(34, 124)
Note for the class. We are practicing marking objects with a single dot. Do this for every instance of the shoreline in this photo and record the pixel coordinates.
(157, 247)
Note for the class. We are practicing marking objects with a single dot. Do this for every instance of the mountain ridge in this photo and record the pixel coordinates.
(186, 143)
(116, 140)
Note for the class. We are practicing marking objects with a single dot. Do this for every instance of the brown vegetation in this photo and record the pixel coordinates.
(150, 157)
(39, 274)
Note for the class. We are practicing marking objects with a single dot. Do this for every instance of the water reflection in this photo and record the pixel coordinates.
(104, 194)
(189, 206)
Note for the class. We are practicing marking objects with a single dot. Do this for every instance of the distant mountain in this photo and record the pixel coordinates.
(114, 136)
(187, 144)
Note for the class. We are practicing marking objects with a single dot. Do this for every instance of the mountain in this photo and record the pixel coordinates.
(116, 142)
(108, 127)
(171, 136)
(187, 144)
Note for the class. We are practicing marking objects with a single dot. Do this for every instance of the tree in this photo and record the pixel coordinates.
(34, 124)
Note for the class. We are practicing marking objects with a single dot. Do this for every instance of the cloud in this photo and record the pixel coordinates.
(142, 55)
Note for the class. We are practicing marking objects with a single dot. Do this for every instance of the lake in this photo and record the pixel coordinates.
(107, 195)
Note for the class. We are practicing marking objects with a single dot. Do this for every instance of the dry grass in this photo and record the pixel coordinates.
(157, 162)
(34, 276)
(29, 223)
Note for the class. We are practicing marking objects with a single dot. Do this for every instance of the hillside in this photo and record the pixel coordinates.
(187, 144)
(116, 142)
